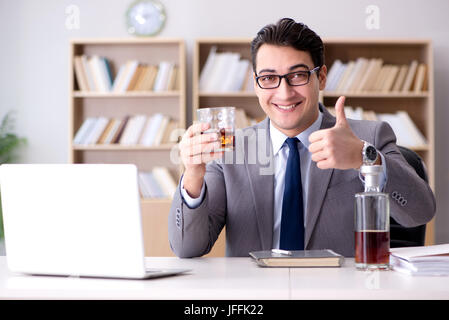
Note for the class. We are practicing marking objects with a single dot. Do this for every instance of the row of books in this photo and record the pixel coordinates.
(157, 183)
(130, 130)
(372, 75)
(93, 73)
(406, 131)
(226, 72)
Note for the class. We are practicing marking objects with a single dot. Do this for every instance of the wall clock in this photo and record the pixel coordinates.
(145, 17)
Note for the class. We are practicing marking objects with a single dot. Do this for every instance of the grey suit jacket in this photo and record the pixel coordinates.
(240, 195)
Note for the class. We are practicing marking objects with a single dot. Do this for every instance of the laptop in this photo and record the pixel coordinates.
(74, 220)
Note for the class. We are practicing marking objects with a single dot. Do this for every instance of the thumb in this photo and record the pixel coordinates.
(340, 112)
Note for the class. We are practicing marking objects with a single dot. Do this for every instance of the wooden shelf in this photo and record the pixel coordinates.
(149, 201)
(84, 104)
(375, 95)
(326, 94)
(117, 147)
(129, 94)
(228, 94)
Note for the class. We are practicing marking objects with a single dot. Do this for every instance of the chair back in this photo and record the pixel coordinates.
(409, 237)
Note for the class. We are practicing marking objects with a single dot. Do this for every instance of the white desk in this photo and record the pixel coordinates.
(230, 279)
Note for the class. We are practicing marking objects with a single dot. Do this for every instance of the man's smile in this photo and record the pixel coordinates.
(287, 108)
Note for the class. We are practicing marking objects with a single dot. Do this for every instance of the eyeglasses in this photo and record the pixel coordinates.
(296, 78)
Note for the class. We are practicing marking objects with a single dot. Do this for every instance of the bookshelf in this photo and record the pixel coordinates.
(112, 104)
(419, 105)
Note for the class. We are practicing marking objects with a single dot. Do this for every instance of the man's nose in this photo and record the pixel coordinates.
(285, 90)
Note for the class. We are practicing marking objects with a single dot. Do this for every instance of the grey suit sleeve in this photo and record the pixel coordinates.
(414, 203)
(193, 232)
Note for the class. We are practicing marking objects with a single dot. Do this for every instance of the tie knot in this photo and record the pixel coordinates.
(292, 143)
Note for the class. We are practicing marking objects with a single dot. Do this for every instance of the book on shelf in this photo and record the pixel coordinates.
(87, 72)
(407, 86)
(163, 76)
(207, 69)
(109, 137)
(418, 85)
(225, 72)
(120, 130)
(126, 76)
(106, 132)
(165, 180)
(157, 183)
(390, 78)
(83, 131)
(136, 130)
(407, 134)
(160, 130)
(373, 75)
(149, 187)
(334, 73)
(367, 75)
(96, 131)
(341, 83)
(80, 74)
(150, 130)
(135, 77)
(354, 77)
(94, 73)
(421, 261)
(132, 130)
(406, 131)
(248, 80)
(297, 258)
(146, 81)
(99, 74)
(401, 78)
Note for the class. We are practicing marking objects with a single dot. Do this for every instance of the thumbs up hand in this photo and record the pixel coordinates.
(337, 147)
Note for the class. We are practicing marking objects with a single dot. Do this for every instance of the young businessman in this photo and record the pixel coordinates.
(307, 200)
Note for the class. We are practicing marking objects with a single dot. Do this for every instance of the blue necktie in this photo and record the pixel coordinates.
(292, 221)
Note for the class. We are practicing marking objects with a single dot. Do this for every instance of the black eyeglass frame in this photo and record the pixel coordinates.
(285, 76)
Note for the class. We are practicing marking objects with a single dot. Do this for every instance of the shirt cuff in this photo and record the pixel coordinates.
(383, 177)
(192, 203)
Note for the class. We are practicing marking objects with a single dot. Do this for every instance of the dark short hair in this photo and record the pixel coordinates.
(287, 32)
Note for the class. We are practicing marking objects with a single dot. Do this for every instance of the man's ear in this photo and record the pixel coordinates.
(322, 77)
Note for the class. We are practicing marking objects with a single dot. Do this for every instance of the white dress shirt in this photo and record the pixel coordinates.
(280, 154)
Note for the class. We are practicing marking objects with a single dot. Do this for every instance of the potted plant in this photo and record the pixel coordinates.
(8, 144)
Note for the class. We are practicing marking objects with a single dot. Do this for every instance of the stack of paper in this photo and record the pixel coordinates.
(421, 261)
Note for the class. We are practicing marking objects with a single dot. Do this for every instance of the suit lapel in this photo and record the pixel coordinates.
(319, 181)
(262, 183)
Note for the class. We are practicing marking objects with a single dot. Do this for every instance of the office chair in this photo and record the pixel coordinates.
(409, 237)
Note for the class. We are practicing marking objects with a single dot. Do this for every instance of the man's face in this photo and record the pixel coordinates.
(277, 103)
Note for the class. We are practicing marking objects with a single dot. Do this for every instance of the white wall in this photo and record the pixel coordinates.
(34, 55)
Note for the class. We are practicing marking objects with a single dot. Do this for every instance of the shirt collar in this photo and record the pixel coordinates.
(278, 138)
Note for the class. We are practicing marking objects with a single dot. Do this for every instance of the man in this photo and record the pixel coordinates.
(307, 200)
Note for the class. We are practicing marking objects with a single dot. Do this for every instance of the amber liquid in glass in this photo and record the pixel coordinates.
(372, 247)
(227, 139)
